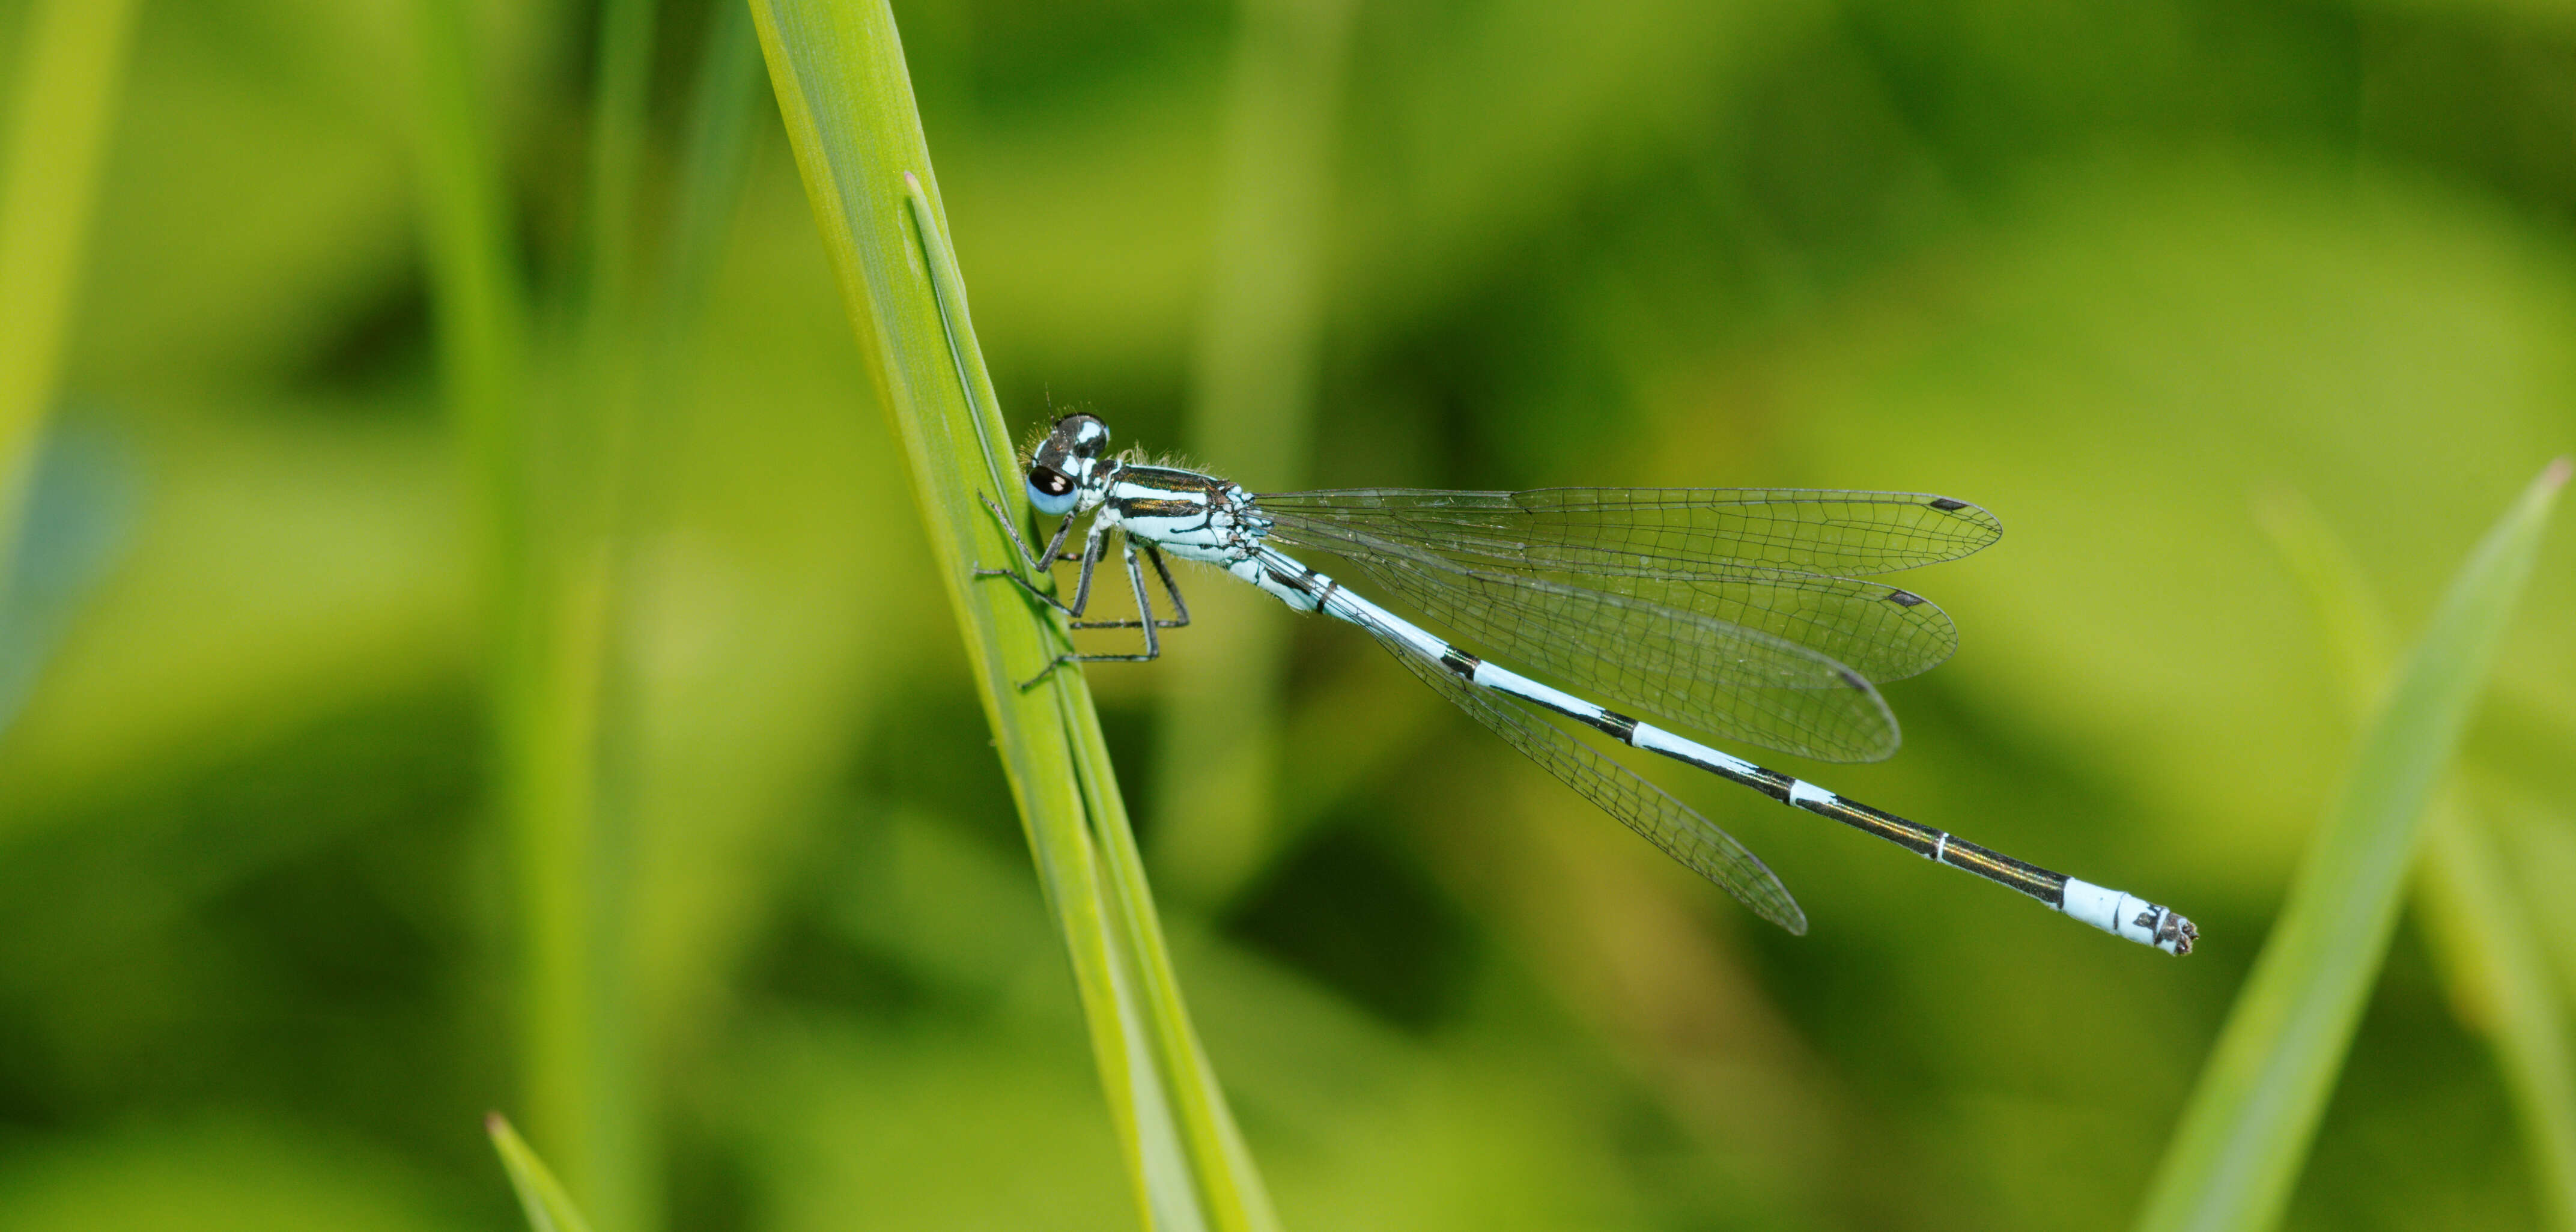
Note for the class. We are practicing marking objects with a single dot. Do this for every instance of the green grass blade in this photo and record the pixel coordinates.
(1230, 1184)
(2491, 953)
(616, 161)
(843, 91)
(2484, 940)
(70, 72)
(549, 1207)
(481, 326)
(2245, 1134)
(1252, 400)
(724, 123)
(2349, 618)
(542, 472)
(478, 316)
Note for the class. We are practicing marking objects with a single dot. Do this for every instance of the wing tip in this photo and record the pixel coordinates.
(1971, 512)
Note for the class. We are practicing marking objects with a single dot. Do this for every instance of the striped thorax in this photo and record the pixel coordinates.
(1191, 515)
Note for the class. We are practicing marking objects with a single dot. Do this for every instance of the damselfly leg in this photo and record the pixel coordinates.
(1094, 547)
(1036, 563)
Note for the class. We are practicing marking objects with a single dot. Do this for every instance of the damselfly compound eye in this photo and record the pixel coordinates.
(1079, 435)
(1051, 490)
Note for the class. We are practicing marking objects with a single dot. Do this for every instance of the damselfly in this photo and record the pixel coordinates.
(1739, 612)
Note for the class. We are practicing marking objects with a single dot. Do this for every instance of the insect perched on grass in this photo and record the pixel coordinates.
(1726, 610)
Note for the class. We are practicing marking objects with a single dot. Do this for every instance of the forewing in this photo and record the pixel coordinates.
(1659, 532)
(1883, 632)
(1669, 824)
(1694, 670)
(1880, 631)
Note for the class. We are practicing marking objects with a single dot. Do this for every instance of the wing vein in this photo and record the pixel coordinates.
(1697, 843)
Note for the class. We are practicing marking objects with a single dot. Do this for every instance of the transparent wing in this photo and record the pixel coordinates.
(1641, 806)
(1688, 668)
(1883, 632)
(1659, 532)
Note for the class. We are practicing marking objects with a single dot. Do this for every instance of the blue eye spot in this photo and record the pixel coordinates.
(1051, 490)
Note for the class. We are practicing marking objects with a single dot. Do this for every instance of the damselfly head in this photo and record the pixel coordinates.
(1060, 468)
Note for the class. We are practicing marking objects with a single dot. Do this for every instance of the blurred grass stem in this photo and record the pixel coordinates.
(586, 1081)
(846, 97)
(1251, 415)
(478, 315)
(71, 69)
(2245, 1133)
(2483, 937)
(616, 161)
(482, 324)
(544, 467)
(724, 120)
(542, 1198)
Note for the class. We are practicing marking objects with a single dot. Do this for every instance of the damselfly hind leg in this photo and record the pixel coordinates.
(1144, 610)
(1180, 610)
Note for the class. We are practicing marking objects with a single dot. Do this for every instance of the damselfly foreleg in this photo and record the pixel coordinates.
(1040, 564)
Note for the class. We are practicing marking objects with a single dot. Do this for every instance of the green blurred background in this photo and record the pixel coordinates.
(2126, 274)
